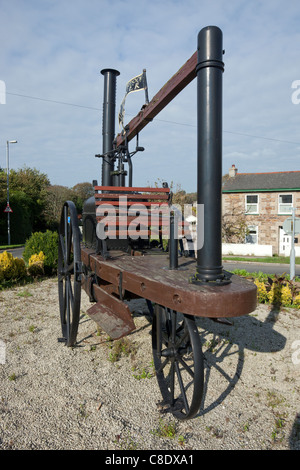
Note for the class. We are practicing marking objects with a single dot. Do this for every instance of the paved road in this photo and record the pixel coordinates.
(267, 268)
(17, 252)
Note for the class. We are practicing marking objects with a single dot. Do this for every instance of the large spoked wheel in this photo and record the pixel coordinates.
(178, 361)
(69, 273)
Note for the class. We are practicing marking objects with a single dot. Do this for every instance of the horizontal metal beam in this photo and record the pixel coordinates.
(175, 85)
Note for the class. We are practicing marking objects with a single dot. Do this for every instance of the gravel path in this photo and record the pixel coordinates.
(54, 397)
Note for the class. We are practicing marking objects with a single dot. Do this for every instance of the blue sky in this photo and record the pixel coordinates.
(50, 60)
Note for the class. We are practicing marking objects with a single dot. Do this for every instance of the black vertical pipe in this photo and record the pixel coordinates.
(108, 123)
(173, 241)
(210, 68)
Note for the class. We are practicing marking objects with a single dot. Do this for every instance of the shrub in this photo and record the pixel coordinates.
(286, 296)
(278, 292)
(36, 264)
(20, 266)
(46, 242)
(7, 265)
(274, 294)
(10, 267)
(37, 259)
(262, 293)
(296, 302)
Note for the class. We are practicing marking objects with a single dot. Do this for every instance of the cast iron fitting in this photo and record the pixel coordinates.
(210, 48)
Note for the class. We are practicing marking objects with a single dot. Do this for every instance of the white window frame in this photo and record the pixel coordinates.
(253, 228)
(285, 204)
(251, 204)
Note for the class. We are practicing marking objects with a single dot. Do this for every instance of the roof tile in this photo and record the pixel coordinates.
(263, 181)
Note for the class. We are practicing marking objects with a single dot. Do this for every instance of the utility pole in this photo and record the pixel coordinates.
(292, 253)
(8, 209)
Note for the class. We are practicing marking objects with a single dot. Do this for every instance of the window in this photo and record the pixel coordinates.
(252, 234)
(251, 203)
(285, 203)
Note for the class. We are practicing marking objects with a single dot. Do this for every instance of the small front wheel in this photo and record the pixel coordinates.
(178, 361)
(69, 273)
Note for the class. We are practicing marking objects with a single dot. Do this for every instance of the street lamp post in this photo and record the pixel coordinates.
(7, 176)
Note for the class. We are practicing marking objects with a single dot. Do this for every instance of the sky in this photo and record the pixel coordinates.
(51, 88)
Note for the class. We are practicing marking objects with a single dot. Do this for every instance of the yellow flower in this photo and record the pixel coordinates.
(262, 294)
(286, 295)
(296, 302)
(274, 294)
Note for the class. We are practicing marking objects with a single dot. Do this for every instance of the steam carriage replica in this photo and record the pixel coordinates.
(115, 259)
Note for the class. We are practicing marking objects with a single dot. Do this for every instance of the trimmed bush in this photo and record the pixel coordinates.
(46, 242)
(36, 264)
(20, 266)
(10, 267)
(7, 266)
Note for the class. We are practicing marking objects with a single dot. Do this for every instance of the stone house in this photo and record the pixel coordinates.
(263, 201)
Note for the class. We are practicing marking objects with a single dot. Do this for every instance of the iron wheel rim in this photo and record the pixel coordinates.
(69, 273)
(178, 361)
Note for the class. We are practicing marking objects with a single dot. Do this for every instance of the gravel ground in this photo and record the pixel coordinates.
(54, 397)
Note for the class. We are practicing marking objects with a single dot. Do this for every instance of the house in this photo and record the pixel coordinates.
(262, 201)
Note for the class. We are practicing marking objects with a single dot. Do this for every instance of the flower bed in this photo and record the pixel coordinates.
(278, 291)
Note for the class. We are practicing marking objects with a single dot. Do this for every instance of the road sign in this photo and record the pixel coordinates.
(8, 208)
(288, 227)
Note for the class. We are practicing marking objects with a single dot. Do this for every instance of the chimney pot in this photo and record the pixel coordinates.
(232, 171)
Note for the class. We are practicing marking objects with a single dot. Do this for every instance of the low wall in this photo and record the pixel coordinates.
(245, 249)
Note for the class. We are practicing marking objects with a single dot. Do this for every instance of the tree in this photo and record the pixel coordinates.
(20, 220)
(33, 184)
(27, 191)
(234, 226)
(84, 190)
(36, 204)
(55, 199)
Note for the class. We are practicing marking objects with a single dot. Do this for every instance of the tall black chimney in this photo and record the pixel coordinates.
(108, 123)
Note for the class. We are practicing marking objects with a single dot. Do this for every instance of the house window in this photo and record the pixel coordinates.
(251, 203)
(252, 234)
(285, 203)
